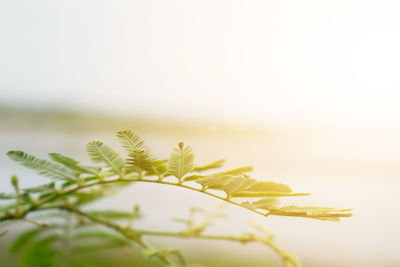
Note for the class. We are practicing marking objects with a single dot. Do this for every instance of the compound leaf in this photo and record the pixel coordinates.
(139, 161)
(41, 188)
(73, 164)
(111, 214)
(131, 141)
(239, 171)
(264, 203)
(209, 166)
(181, 161)
(43, 167)
(101, 153)
(321, 213)
(215, 181)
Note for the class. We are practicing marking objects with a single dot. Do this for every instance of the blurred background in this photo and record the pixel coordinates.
(305, 91)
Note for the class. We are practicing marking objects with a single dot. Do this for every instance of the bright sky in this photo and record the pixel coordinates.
(293, 61)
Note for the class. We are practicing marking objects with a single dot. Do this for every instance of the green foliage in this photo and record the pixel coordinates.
(139, 161)
(43, 167)
(6, 196)
(181, 161)
(209, 166)
(42, 188)
(24, 239)
(111, 214)
(42, 252)
(73, 164)
(139, 155)
(101, 153)
(130, 141)
(64, 236)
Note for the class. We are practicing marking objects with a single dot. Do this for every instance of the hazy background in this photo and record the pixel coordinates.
(306, 91)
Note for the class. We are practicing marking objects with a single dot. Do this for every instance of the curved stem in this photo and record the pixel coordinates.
(136, 235)
(119, 179)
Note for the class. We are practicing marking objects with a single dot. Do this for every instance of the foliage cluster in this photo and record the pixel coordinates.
(55, 235)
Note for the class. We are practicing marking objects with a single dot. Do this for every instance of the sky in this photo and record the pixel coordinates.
(319, 62)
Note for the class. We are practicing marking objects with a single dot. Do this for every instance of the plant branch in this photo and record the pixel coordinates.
(116, 180)
(136, 235)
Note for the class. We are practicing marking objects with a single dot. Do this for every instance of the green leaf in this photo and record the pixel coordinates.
(139, 155)
(41, 188)
(43, 167)
(264, 203)
(6, 196)
(151, 252)
(209, 166)
(87, 248)
(193, 177)
(97, 240)
(47, 215)
(268, 194)
(159, 167)
(181, 161)
(238, 184)
(245, 187)
(131, 141)
(101, 235)
(111, 214)
(41, 252)
(221, 176)
(266, 186)
(23, 239)
(215, 181)
(321, 213)
(139, 161)
(239, 171)
(73, 164)
(101, 153)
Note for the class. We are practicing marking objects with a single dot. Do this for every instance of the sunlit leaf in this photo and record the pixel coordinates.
(159, 167)
(131, 141)
(209, 166)
(73, 164)
(238, 184)
(321, 213)
(268, 194)
(139, 161)
(238, 171)
(264, 203)
(245, 187)
(181, 161)
(41, 166)
(101, 153)
(215, 181)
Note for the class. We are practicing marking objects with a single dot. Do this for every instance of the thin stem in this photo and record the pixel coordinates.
(129, 233)
(14, 182)
(118, 179)
(36, 222)
(136, 235)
